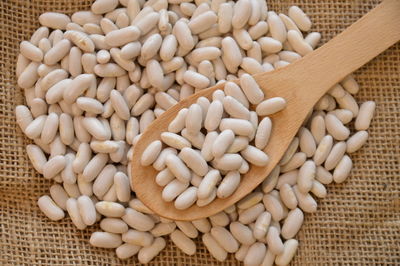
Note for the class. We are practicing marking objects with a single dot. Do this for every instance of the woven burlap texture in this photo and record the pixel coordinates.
(358, 223)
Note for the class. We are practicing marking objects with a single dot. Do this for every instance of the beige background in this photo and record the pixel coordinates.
(358, 223)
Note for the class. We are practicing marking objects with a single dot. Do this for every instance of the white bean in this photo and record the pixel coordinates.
(306, 176)
(194, 161)
(105, 240)
(135, 237)
(342, 169)
(87, 210)
(355, 142)
(300, 18)
(364, 116)
(94, 166)
(289, 250)
(238, 126)
(203, 225)
(202, 22)
(231, 55)
(242, 233)
(297, 42)
(127, 250)
(274, 241)
(151, 153)
(208, 183)
(335, 127)
(228, 185)
(122, 187)
(186, 199)
(270, 106)
(173, 190)
(241, 13)
(104, 181)
(50, 208)
(53, 166)
(146, 254)
(306, 201)
(323, 150)
(162, 229)
(73, 211)
(213, 247)
(206, 150)
(183, 35)
(335, 155)
(228, 162)
(178, 168)
(225, 239)
(252, 91)
(57, 52)
(255, 156)
(138, 220)
(183, 242)
(292, 223)
(255, 254)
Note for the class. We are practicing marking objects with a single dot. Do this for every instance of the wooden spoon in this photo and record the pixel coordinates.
(301, 83)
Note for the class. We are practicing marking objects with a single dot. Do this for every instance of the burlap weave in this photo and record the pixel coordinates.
(358, 223)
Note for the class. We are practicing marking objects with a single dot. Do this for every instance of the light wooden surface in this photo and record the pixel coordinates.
(302, 83)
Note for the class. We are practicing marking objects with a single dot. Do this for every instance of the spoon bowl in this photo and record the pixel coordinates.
(301, 84)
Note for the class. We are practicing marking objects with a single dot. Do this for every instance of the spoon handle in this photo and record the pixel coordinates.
(345, 53)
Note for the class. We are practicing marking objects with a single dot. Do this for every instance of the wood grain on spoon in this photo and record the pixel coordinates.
(301, 83)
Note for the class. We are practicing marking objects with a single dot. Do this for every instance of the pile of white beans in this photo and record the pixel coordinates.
(94, 81)
(229, 129)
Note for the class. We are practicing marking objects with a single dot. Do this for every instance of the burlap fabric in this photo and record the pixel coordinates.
(358, 223)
